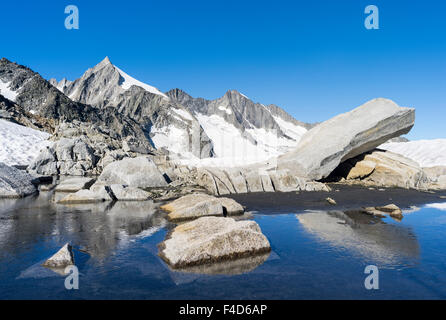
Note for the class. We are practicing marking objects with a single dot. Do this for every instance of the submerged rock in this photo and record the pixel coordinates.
(63, 257)
(200, 205)
(140, 172)
(212, 239)
(15, 183)
(346, 136)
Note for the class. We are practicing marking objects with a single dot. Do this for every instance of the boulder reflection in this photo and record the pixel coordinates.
(97, 229)
(365, 235)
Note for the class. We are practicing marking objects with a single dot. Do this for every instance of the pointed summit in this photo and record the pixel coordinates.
(106, 60)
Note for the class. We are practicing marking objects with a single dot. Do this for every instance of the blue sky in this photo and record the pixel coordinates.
(315, 59)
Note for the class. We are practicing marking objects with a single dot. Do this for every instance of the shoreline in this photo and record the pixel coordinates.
(347, 197)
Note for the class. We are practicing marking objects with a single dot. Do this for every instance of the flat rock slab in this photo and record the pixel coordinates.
(212, 239)
(98, 194)
(194, 206)
(74, 184)
(139, 172)
(345, 136)
(62, 258)
(126, 193)
(15, 183)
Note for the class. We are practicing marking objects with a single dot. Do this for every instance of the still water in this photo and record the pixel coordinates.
(315, 255)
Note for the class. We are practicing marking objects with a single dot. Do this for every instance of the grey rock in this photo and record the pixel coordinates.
(139, 172)
(346, 136)
(212, 239)
(74, 184)
(15, 183)
(126, 193)
(99, 194)
(194, 206)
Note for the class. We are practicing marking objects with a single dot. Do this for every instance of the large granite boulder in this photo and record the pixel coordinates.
(15, 183)
(345, 136)
(194, 206)
(212, 239)
(139, 172)
(383, 169)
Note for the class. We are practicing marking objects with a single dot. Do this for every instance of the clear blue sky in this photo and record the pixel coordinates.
(313, 58)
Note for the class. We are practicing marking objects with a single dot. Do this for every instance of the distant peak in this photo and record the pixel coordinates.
(105, 62)
(237, 93)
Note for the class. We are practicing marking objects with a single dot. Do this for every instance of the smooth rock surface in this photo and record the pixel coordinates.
(346, 136)
(199, 205)
(212, 239)
(98, 194)
(139, 172)
(74, 184)
(126, 193)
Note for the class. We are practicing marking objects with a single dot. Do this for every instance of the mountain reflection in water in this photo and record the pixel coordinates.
(96, 228)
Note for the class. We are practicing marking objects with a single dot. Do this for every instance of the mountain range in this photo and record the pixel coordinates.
(109, 103)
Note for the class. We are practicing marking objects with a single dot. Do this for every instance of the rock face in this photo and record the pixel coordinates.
(200, 205)
(167, 122)
(250, 179)
(384, 169)
(63, 258)
(139, 172)
(346, 136)
(212, 239)
(243, 117)
(15, 183)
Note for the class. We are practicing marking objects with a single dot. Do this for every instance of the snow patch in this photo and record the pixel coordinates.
(225, 109)
(183, 113)
(439, 206)
(6, 91)
(129, 81)
(172, 138)
(290, 129)
(428, 153)
(20, 145)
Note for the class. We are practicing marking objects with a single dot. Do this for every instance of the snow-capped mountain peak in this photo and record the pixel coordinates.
(129, 81)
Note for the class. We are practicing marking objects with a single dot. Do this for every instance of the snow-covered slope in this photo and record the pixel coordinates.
(19, 145)
(6, 91)
(428, 153)
(129, 82)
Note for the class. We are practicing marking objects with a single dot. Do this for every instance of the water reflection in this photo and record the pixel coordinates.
(97, 229)
(368, 236)
(230, 267)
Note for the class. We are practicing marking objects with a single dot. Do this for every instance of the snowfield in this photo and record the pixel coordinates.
(428, 153)
(19, 145)
(6, 92)
(129, 81)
